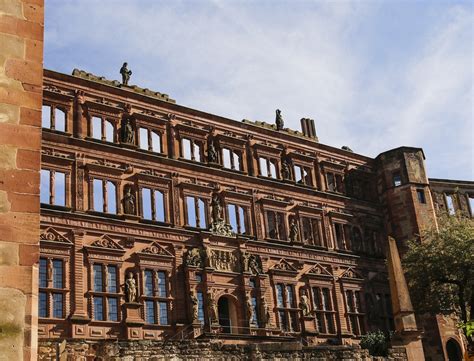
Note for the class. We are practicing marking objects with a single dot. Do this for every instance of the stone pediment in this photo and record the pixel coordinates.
(106, 242)
(320, 270)
(51, 235)
(156, 249)
(283, 266)
(351, 274)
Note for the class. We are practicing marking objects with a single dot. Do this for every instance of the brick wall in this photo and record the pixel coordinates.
(21, 72)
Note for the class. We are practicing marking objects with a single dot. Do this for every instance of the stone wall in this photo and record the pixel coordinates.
(81, 350)
(21, 78)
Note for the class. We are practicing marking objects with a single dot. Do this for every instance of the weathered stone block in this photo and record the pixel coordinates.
(12, 314)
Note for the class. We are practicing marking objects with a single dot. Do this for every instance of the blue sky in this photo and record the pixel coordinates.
(374, 75)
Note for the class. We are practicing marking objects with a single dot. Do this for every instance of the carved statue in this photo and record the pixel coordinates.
(211, 152)
(255, 265)
(250, 310)
(304, 304)
(131, 288)
(125, 74)
(294, 231)
(285, 170)
(245, 261)
(50, 269)
(216, 208)
(265, 312)
(129, 202)
(279, 120)
(195, 306)
(194, 257)
(212, 307)
(128, 133)
(209, 258)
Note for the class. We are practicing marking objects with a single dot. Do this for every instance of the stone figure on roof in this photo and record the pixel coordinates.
(279, 120)
(125, 74)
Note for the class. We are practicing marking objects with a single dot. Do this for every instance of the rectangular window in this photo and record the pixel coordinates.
(153, 206)
(111, 279)
(279, 292)
(150, 311)
(267, 167)
(98, 278)
(57, 274)
(254, 319)
(53, 187)
(97, 128)
(237, 218)
(58, 305)
(148, 283)
(98, 308)
(104, 196)
(43, 273)
(324, 310)
(331, 182)
(195, 212)
(450, 203)
(155, 142)
(283, 321)
(230, 159)
(421, 196)
(59, 120)
(163, 309)
(102, 129)
(43, 304)
(143, 136)
(46, 116)
(311, 234)
(191, 149)
(339, 234)
(290, 297)
(276, 225)
(354, 312)
(112, 308)
(161, 286)
(200, 297)
(109, 132)
(396, 179)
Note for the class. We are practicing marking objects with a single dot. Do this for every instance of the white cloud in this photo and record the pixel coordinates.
(310, 59)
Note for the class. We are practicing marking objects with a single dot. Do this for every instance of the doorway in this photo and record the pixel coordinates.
(454, 350)
(227, 315)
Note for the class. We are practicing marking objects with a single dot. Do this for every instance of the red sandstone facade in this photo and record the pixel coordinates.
(229, 228)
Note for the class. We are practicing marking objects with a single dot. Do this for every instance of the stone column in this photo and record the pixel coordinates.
(406, 330)
(78, 301)
(21, 97)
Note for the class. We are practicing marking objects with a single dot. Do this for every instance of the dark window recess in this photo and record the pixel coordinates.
(421, 196)
(397, 179)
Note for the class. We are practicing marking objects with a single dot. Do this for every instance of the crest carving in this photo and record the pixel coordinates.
(51, 235)
(106, 242)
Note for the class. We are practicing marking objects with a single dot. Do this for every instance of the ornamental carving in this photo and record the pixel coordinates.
(222, 260)
(106, 242)
(218, 225)
(194, 257)
(251, 263)
(283, 266)
(50, 234)
(156, 249)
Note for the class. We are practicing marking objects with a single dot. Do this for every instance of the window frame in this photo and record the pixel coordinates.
(63, 107)
(104, 118)
(104, 294)
(47, 166)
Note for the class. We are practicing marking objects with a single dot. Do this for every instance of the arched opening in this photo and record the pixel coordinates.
(454, 350)
(227, 315)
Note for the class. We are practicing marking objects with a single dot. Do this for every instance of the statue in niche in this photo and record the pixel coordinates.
(209, 258)
(131, 288)
(255, 266)
(216, 208)
(304, 304)
(128, 133)
(279, 120)
(129, 201)
(211, 152)
(212, 307)
(125, 74)
(218, 225)
(194, 257)
(250, 310)
(195, 306)
(265, 312)
(285, 170)
(294, 231)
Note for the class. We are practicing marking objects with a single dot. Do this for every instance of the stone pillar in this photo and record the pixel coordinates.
(21, 97)
(406, 330)
(79, 308)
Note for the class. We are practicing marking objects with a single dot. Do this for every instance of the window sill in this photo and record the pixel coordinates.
(56, 207)
(55, 131)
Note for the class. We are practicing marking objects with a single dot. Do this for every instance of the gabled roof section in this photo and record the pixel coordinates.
(351, 273)
(319, 270)
(283, 265)
(107, 242)
(156, 249)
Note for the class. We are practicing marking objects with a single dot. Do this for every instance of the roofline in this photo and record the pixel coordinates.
(403, 147)
(173, 106)
(457, 181)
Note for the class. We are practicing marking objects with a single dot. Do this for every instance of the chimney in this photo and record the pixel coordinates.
(308, 128)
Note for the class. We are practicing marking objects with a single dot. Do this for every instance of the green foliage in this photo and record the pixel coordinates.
(440, 268)
(376, 342)
(468, 328)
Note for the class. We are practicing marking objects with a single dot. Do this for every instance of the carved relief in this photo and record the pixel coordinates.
(251, 263)
(50, 234)
(222, 260)
(131, 288)
(106, 242)
(194, 257)
(156, 249)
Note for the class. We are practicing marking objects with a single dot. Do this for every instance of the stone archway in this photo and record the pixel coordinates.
(453, 349)
(227, 312)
